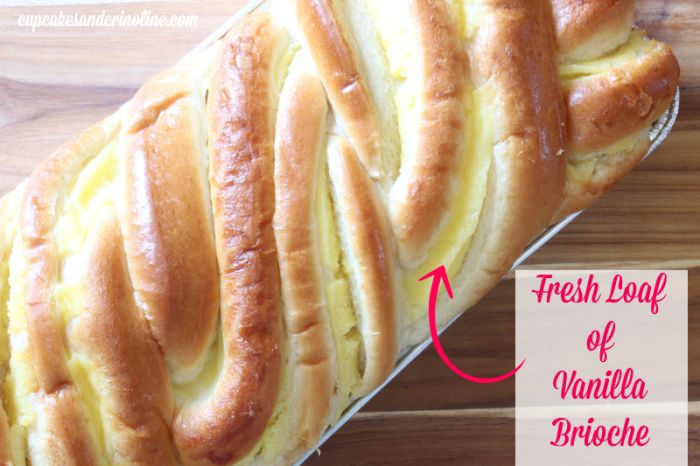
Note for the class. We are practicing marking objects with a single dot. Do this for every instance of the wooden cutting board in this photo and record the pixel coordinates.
(56, 82)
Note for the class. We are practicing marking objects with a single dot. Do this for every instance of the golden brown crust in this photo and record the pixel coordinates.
(347, 90)
(608, 107)
(511, 53)
(43, 196)
(420, 197)
(61, 436)
(590, 28)
(135, 399)
(226, 425)
(365, 237)
(300, 136)
(168, 237)
(514, 54)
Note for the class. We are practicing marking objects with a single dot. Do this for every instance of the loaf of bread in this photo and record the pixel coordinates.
(214, 273)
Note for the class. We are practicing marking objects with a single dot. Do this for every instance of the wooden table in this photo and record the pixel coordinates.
(56, 82)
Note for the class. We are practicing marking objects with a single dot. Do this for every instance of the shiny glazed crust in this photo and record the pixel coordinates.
(136, 399)
(301, 135)
(590, 28)
(333, 50)
(611, 106)
(213, 273)
(172, 263)
(226, 425)
(422, 192)
(527, 171)
(60, 436)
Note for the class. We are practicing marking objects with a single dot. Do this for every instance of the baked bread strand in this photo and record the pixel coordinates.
(59, 434)
(136, 401)
(214, 273)
(609, 106)
(363, 226)
(9, 210)
(334, 51)
(427, 181)
(242, 103)
(588, 29)
(313, 370)
(513, 69)
(612, 101)
(168, 239)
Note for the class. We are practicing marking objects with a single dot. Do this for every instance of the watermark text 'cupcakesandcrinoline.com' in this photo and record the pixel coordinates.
(144, 19)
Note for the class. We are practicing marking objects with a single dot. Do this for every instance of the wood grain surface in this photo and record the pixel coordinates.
(56, 82)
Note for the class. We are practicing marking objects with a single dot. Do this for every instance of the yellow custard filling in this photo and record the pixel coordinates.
(20, 383)
(342, 315)
(581, 170)
(398, 35)
(393, 21)
(453, 241)
(92, 196)
(9, 206)
(636, 47)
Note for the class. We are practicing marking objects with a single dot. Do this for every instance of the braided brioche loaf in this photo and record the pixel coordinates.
(215, 272)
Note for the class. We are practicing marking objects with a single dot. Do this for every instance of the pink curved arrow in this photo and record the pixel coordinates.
(440, 275)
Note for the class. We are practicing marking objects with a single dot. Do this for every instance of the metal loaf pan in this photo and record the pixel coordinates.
(659, 132)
